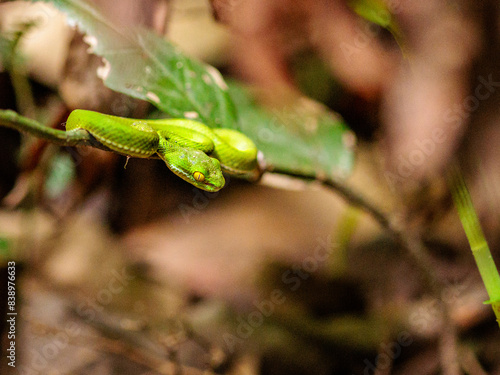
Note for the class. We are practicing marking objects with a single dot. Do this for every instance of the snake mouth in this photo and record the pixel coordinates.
(207, 186)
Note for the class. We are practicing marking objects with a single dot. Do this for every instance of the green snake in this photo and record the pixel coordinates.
(193, 151)
(190, 149)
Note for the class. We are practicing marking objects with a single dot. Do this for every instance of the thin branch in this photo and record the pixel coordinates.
(13, 120)
(356, 199)
(412, 243)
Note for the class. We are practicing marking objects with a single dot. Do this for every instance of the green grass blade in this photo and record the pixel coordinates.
(475, 236)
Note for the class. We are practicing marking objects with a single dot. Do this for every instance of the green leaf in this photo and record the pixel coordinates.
(304, 138)
(378, 12)
(375, 11)
(143, 65)
(5, 250)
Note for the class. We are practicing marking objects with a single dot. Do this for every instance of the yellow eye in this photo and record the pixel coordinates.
(198, 176)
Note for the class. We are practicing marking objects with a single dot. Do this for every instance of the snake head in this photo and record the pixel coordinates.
(196, 167)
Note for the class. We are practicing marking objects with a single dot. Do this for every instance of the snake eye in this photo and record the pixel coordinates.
(198, 176)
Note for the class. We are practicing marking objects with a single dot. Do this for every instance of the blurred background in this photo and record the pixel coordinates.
(133, 271)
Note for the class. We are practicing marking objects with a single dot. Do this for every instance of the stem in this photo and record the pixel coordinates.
(22, 90)
(12, 119)
(475, 236)
(355, 199)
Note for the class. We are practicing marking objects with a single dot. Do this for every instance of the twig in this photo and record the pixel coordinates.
(416, 249)
(12, 119)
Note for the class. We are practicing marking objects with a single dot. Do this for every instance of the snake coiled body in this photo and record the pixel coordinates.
(192, 150)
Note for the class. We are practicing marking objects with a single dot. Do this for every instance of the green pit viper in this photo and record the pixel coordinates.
(193, 151)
